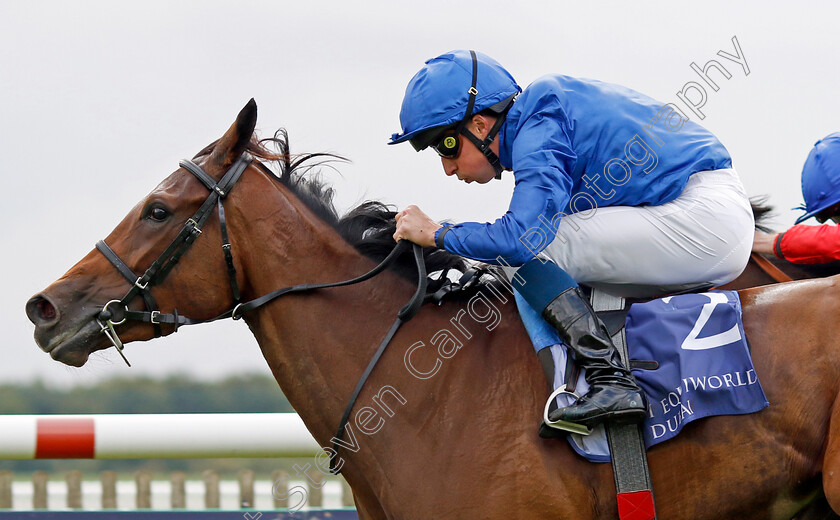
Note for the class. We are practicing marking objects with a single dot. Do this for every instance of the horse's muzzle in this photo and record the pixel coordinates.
(67, 339)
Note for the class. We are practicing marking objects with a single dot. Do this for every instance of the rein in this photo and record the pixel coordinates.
(771, 270)
(116, 312)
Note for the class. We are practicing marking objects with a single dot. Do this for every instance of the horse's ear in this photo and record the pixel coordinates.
(236, 139)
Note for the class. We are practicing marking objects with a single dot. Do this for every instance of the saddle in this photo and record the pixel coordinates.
(614, 319)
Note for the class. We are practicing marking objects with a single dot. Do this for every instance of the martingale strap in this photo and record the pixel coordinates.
(407, 312)
(404, 315)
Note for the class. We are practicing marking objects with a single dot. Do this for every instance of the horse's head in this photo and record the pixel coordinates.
(72, 316)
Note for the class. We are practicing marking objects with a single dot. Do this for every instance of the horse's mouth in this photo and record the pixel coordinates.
(72, 347)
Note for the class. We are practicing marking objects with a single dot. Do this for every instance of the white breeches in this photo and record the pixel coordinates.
(703, 236)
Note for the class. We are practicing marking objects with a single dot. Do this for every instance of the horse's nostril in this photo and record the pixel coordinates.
(46, 310)
(41, 311)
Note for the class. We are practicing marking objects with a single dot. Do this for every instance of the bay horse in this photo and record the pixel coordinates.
(446, 425)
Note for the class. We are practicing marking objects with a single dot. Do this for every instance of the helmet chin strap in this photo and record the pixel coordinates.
(484, 145)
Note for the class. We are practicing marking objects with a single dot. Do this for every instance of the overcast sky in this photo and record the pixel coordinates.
(99, 101)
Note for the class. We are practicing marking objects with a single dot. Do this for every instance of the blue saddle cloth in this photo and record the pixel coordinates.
(705, 367)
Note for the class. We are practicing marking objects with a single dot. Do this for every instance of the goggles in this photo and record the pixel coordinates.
(448, 145)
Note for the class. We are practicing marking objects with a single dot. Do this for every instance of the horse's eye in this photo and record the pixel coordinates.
(158, 214)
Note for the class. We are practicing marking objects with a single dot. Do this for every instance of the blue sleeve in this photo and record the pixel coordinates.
(542, 156)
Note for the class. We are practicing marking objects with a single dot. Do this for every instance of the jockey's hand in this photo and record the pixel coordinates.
(415, 226)
(763, 243)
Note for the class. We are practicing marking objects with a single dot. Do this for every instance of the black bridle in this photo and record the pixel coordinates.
(160, 268)
(116, 312)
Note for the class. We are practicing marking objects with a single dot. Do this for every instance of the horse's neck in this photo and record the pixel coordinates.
(316, 344)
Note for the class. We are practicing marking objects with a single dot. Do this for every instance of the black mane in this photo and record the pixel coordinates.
(761, 213)
(369, 227)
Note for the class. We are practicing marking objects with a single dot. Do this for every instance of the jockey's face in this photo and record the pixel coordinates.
(831, 213)
(470, 165)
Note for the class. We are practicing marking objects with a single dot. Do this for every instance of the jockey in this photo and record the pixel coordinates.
(612, 189)
(803, 244)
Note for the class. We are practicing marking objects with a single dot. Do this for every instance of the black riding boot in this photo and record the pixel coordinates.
(613, 393)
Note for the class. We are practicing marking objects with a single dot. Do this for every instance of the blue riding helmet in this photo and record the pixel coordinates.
(439, 94)
(821, 177)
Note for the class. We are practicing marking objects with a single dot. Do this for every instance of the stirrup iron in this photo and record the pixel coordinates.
(570, 427)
